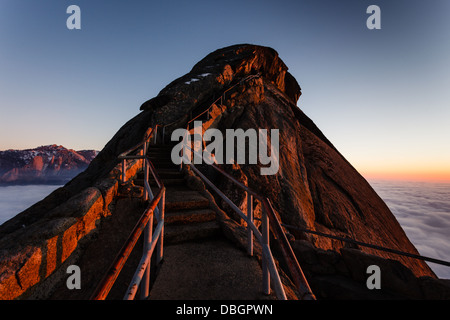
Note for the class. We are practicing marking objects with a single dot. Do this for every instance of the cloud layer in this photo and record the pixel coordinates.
(423, 210)
(15, 199)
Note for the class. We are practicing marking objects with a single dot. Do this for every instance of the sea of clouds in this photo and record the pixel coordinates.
(423, 211)
(421, 208)
(15, 199)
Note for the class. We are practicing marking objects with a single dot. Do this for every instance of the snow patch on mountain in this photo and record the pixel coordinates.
(44, 164)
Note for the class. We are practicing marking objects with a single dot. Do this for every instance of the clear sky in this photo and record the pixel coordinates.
(382, 97)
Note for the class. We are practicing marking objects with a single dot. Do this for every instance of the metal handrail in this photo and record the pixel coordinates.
(221, 98)
(269, 268)
(155, 240)
(289, 255)
(147, 136)
(269, 219)
(152, 239)
(369, 245)
(291, 260)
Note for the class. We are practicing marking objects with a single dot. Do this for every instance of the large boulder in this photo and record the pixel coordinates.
(315, 187)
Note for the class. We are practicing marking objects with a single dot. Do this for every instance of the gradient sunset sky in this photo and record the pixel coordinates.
(382, 97)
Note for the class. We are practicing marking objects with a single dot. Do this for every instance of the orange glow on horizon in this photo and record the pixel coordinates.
(431, 170)
(430, 176)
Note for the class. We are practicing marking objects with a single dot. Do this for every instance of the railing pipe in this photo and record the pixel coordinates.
(160, 245)
(145, 223)
(221, 98)
(272, 270)
(144, 263)
(113, 272)
(289, 255)
(364, 244)
(268, 264)
(269, 215)
(265, 257)
(124, 171)
(146, 176)
(154, 173)
(255, 230)
(249, 220)
(145, 283)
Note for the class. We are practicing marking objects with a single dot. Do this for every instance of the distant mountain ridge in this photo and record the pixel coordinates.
(43, 165)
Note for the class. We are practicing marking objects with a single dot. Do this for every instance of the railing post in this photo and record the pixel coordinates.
(145, 147)
(184, 141)
(124, 170)
(156, 134)
(160, 245)
(249, 220)
(145, 283)
(265, 263)
(145, 179)
(182, 155)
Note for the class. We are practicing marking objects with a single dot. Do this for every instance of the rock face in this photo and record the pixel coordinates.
(315, 187)
(46, 164)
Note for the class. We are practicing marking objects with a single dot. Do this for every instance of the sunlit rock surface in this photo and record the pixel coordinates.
(315, 187)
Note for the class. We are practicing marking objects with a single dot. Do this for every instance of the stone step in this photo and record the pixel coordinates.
(166, 181)
(169, 173)
(161, 146)
(170, 181)
(165, 165)
(184, 199)
(162, 172)
(189, 216)
(159, 151)
(212, 269)
(159, 159)
(188, 232)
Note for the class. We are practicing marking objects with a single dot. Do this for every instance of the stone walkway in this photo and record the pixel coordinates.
(213, 269)
(199, 262)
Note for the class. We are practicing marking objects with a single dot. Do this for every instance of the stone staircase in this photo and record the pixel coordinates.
(199, 262)
(187, 213)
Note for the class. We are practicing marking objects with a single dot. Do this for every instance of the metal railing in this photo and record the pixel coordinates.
(219, 100)
(268, 220)
(152, 238)
(369, 245)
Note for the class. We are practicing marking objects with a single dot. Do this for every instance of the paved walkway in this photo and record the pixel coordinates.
(199, 262)
(213, 269)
